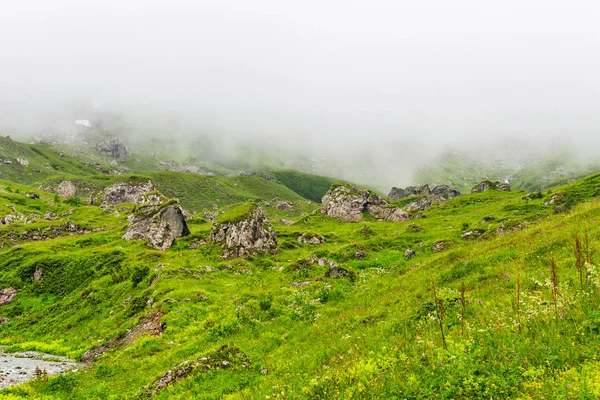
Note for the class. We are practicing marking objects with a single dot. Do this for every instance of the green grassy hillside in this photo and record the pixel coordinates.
(512, 326)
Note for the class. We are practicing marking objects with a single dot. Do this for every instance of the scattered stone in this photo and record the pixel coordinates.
(111, 146)
(348, 203)
(49, 216)
(310, 239)
(409, 253)
(3, 321)
(414, 228)
(33, 196)
(301, 284)
(557, 198)
(23, 162)
(7, 295)
(484, 186)
(439, 246)
(472, 235)
(37, 274)
(335, 271)
(284, 206)
(366, 230)
(159, 225)
(66, 189)
(241, 237)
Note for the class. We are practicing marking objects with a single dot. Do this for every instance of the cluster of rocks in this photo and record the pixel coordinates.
(348, 203)
(486, 185)
(245, 235)
(443, 191)
(111, 146)
(159, 225)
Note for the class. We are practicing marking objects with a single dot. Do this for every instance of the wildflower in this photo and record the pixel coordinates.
(479, 302)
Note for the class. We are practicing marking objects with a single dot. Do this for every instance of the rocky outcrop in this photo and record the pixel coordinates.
(445, 191)
(7, 295)
(111, 146)
(409, 253)
(484, 186)
(137, 193)
(348, 203)
(159, 225)
(399, 193)
(244, 233)
(223, 358)
(66, 189)
(424, 203)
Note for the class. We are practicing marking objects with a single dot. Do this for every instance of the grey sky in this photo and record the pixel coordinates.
(361, 71)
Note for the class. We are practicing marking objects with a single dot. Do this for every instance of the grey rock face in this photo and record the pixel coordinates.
(445, 191)
(159, 225)
(484, 186)
(399, 193)
(424, 203)
(66, 189)
(132, 193)
(348, 203)
(111, 146)
(7, 295)
(249, 234)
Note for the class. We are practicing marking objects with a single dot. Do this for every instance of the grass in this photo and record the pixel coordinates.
(483, 318)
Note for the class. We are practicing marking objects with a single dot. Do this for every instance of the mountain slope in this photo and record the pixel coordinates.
(373, 334)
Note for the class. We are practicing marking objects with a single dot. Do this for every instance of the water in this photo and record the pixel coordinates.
(17, 368)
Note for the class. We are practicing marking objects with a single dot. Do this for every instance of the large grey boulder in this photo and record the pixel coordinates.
(348, 203)
(399, 193)
(159, 225)
(137, 193)
(249, 231)
(111, 146)
(484, 186)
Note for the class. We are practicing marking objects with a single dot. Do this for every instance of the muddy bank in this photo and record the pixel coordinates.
(17, 368)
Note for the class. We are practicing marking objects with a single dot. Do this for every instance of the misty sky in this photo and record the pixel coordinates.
(350, 73)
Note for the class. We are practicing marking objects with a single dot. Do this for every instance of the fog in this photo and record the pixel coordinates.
(373, 87)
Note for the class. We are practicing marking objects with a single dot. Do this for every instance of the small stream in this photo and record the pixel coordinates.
(18, 368)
